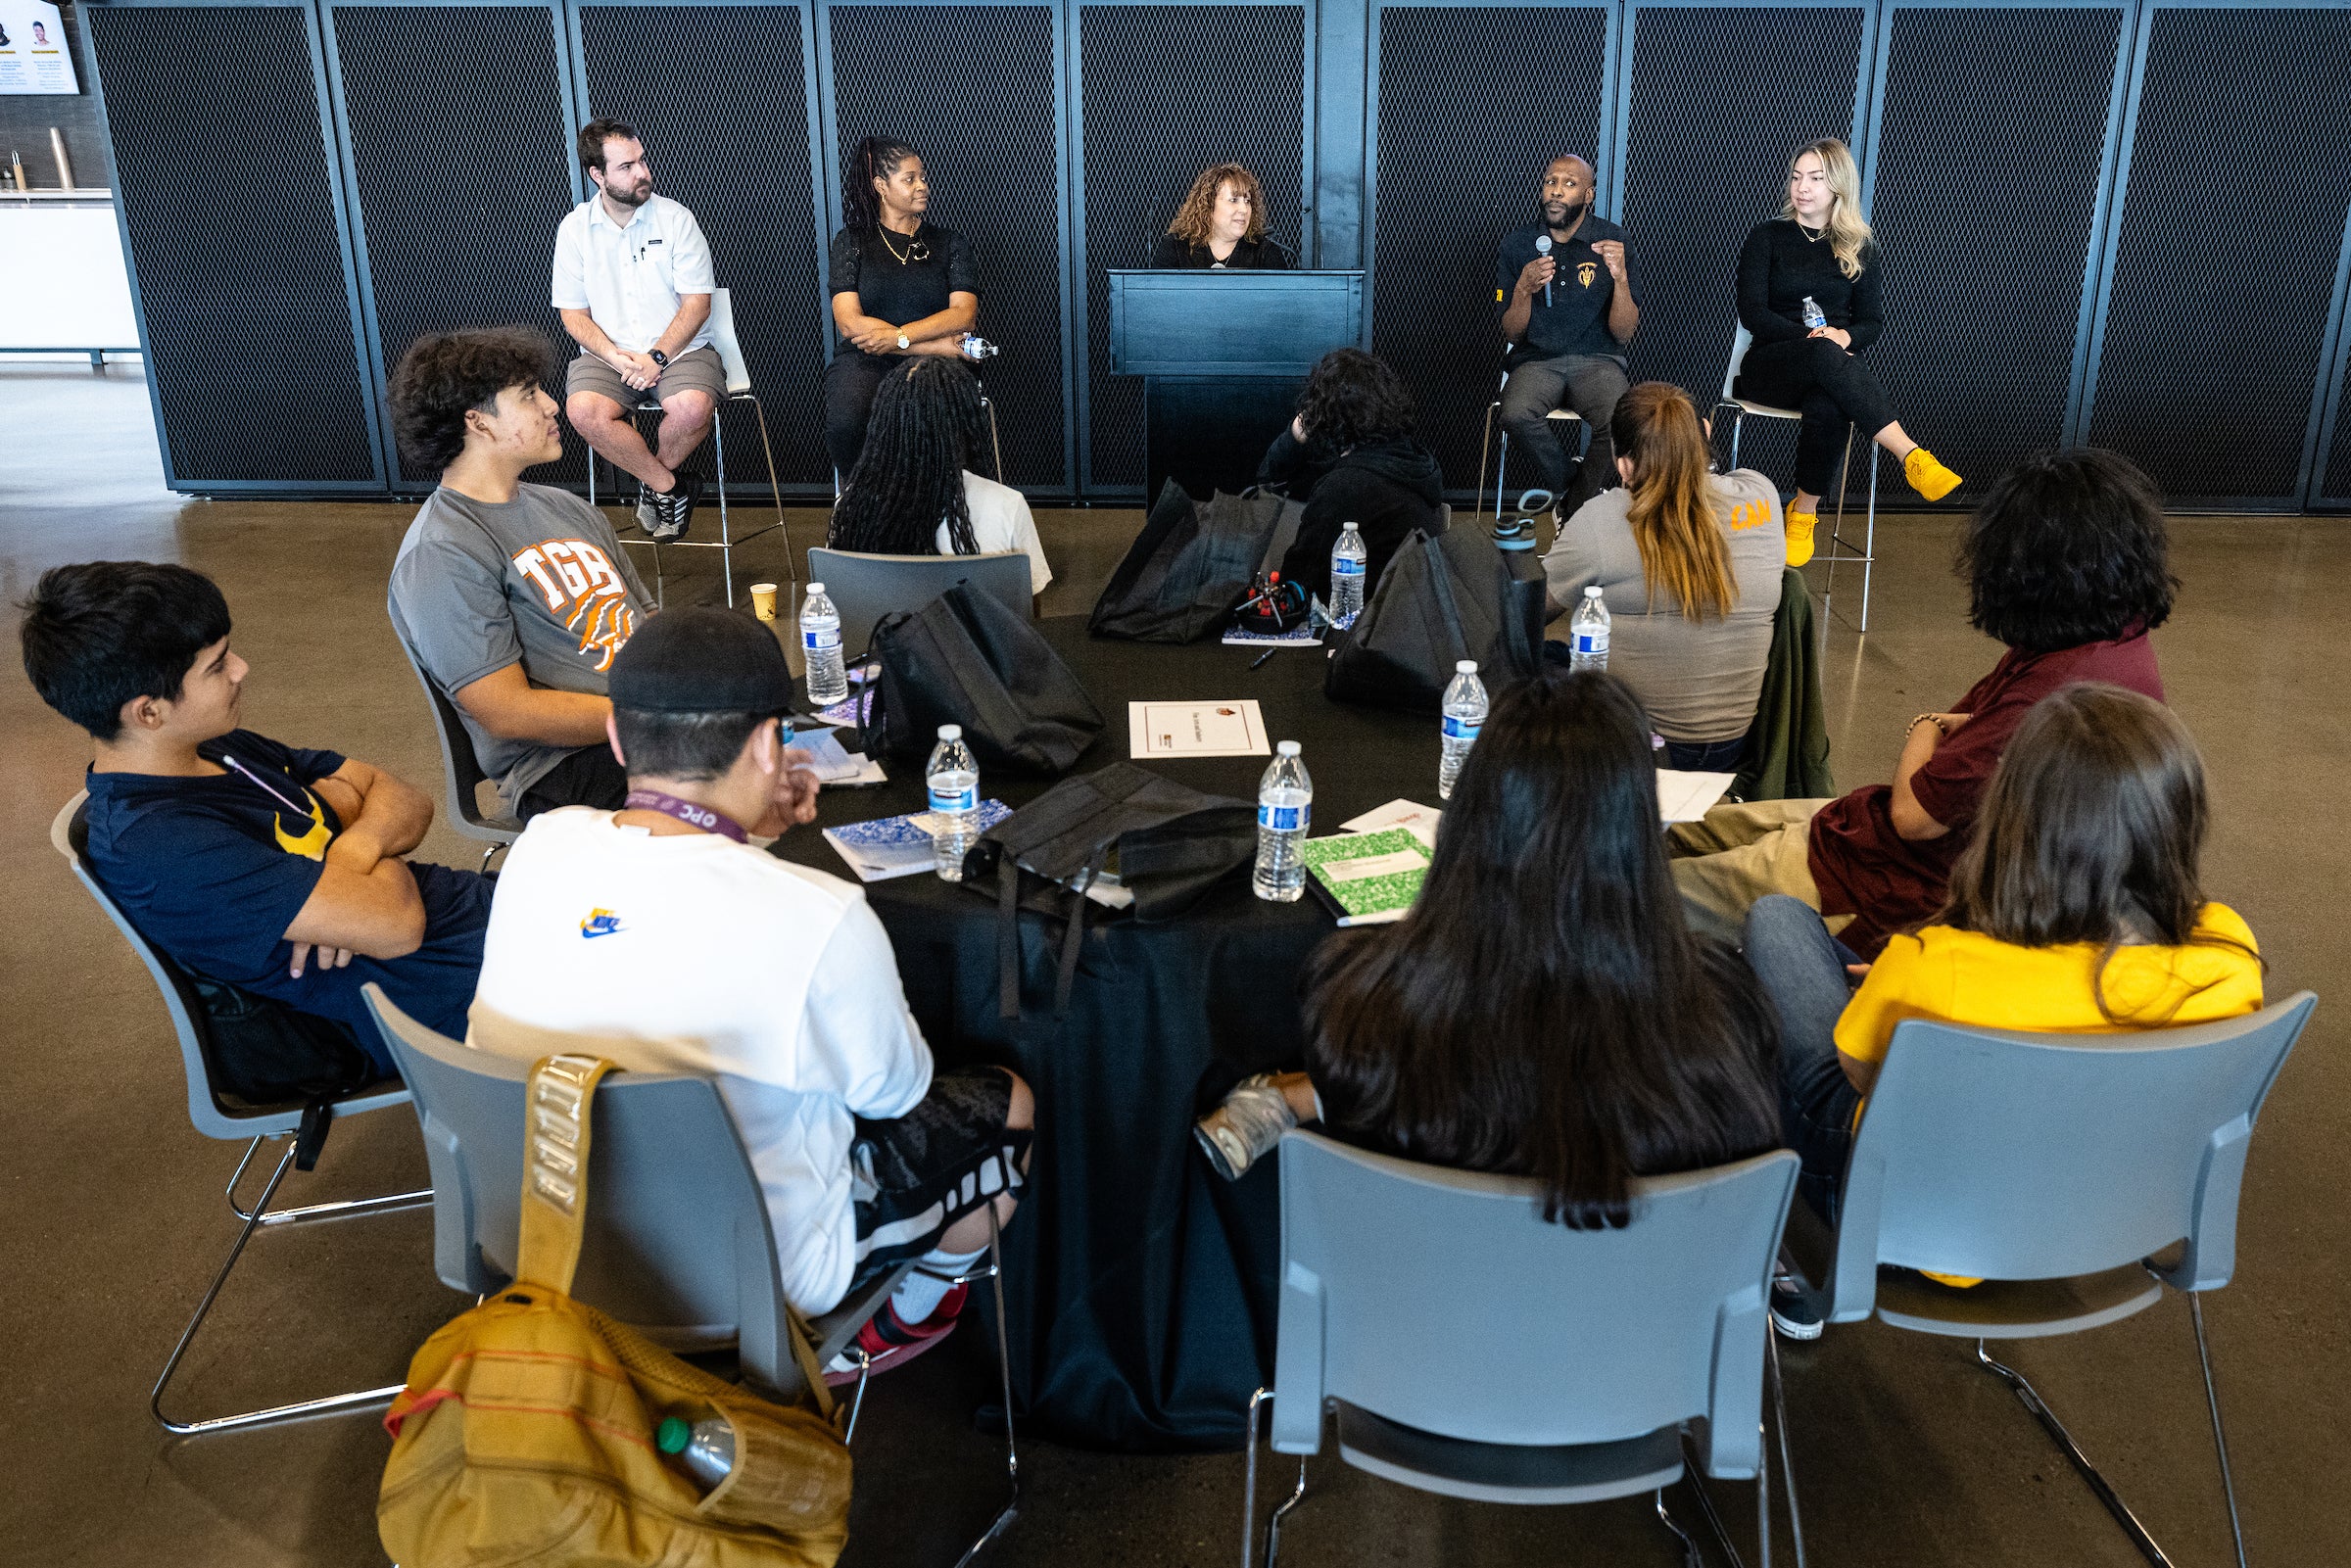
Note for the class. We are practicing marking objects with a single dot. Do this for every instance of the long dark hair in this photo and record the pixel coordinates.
(875, 158)
(1351, 397)
(926, 428)
(1545, 1011)
(2091, 830)
(1672, 513)
(2068, 548)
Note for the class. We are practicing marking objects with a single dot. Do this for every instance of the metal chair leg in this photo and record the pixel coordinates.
(342, 1208)
(2220, 1439)
(1273, 1525)
(996, 440)
(1692, 1557)
(725, 536)
(1835, 551)
(1779, 1411)
(792, 570)
(2033, 1402)
(865, 1375)
(1012, 1454)
(260, 1217)
(1502, 463)
(1869, 538)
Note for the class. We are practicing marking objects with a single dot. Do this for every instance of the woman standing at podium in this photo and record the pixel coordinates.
(900, 286)
(1222, 224)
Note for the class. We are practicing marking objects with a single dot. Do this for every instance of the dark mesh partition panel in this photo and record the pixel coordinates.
(1462, 142)
(983, 115)
(2335, 487)
(248, 325)
(1707, 135)
(1979, 358)
(461, 149)
(1162, 101)
(2213, 319)
(717, 93)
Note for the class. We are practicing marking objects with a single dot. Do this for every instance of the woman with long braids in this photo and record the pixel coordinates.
(1819, 253)
(913, 490)
(900, 286)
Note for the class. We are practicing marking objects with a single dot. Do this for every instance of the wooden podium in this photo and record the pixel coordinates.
(1222, 356)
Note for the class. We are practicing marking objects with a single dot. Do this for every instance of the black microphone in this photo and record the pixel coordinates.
(1543, 247)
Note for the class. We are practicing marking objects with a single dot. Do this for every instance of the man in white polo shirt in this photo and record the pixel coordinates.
(633, 281)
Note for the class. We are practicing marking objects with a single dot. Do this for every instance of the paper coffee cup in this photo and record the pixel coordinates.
(763, 600)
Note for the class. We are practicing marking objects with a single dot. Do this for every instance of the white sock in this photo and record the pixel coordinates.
(919, 1294)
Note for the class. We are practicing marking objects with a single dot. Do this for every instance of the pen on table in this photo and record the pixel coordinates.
(1261, 657)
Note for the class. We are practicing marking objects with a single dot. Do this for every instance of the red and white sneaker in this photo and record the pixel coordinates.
(886, 1341)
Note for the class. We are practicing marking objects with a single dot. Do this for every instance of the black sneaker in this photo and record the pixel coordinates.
(672, 512)
(1795, 1309)
(649, 506)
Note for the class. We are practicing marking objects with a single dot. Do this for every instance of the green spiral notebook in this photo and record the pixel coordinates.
(1367, 878)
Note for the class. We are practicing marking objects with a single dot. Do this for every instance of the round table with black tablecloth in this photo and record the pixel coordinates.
(1140, 1287)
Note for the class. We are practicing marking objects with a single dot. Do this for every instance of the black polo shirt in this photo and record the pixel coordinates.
(1576, 320)
(898, 278)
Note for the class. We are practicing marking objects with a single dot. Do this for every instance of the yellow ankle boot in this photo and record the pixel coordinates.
(1799, 536)
(1927, 476)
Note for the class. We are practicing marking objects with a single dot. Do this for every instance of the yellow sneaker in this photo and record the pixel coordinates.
(1927, 476)
(1799, 536)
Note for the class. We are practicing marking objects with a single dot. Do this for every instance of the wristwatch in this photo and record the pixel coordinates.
(904, 341)
(659, 358)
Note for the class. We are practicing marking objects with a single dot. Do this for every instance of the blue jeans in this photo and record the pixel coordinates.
(1705, 756)
(1801, 969)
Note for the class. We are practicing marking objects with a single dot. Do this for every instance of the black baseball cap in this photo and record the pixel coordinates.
(701, 660)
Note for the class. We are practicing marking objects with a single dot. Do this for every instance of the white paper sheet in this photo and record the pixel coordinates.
(1171, 730)
(1421, 819)
(1688, 797)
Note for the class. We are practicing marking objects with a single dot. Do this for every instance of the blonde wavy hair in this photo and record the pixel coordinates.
(1192, 220)
(1847, 229)
(1676, 525)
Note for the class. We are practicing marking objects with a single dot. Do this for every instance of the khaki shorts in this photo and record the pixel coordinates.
(695, 370)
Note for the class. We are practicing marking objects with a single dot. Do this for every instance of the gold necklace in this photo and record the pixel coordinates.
(1810, 238)
(916, 250)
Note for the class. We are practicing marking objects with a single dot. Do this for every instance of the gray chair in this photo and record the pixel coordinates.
(739, 389)
(2055, 1167)
(462, 770)
(1840, 549)
(218, 1115)
(678, 1241)
(1634, 1352)
(866, 588)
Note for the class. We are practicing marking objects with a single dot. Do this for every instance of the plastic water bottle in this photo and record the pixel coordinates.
(1814, 316)
(954, 780)
(1347, 559)
(1464, 713)
(705, 1451)
(1286, 809)
(1588, 634)
(820, 646)
(976, 347)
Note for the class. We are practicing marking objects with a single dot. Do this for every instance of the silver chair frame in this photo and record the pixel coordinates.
(1503, 456)
(1840, 548)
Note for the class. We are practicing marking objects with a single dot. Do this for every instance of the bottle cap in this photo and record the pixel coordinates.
(1287, 748)
(1592, 591)
(815, 588)
(950, 731)
(1465, 666)
(672, 1436)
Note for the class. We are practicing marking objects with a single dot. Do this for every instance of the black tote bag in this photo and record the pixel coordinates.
(1188, 567)
(963, 658)
(1441, 601)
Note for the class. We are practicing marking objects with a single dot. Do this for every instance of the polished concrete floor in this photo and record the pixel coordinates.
(111, 1223)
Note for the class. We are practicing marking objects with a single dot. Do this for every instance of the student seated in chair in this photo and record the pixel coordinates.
(270, 867)
(663, 934)
(2067, 566)
(514, 598)
(2076, 908)
(1599, 1042)
(1350, 458)
(913, 490)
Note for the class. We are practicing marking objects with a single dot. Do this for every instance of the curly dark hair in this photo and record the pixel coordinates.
(2068, 548)
(1191, 221)
(443, 374)
(875, 158)
(926, 428)
(1352, 398)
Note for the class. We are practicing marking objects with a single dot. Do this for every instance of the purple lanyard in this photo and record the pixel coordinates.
(687, 812)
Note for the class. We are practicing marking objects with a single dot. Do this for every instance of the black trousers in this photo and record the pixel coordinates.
(1830, 386)
(590, 777)
(851, 382)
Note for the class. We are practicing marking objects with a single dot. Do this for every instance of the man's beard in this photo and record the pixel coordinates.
(634, 196)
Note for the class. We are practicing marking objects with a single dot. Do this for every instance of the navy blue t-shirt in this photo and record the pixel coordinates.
(1576, 320)
(214, 869)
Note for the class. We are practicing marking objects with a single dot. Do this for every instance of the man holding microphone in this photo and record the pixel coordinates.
(1568, 312)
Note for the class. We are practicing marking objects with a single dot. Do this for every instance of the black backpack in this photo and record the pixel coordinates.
(1189, 566)
(1443, 599)
(964, 658)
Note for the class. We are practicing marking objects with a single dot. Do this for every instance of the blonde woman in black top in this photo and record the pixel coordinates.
(1820, 249)
(900, 285)
(1222, 224)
